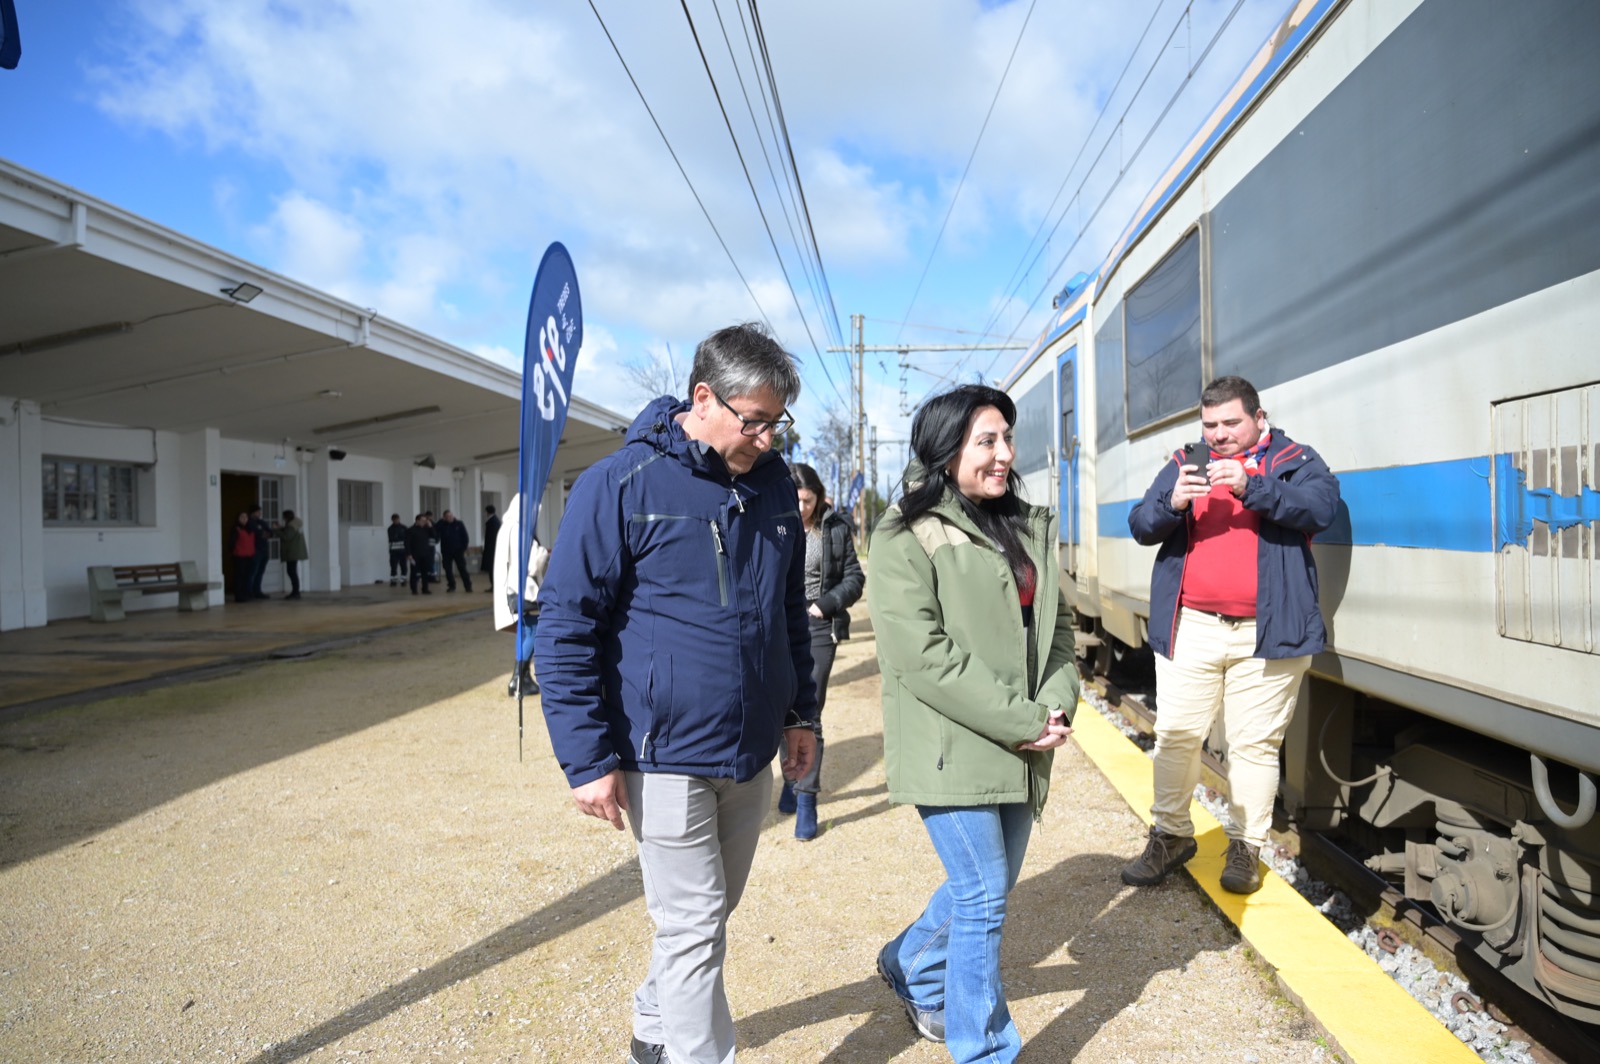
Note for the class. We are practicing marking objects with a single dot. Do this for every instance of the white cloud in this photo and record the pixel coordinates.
(419, 156)
(315, 244)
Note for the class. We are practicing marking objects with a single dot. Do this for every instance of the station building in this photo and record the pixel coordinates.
(152, 387)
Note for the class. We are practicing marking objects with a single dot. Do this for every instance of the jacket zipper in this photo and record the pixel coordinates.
(722, 575)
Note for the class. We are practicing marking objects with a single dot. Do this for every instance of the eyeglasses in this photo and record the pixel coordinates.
(748, 427)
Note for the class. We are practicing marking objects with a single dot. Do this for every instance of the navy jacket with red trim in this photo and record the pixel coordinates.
(1297, 496)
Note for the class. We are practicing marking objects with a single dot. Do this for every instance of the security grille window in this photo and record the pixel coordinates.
(357, 502)
(90, 493)
(1163, 337)
(435, 500)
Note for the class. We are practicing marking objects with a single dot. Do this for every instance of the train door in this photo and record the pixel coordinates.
(1067, 457)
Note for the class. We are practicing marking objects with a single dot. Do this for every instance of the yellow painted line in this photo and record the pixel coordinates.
(1367, 1015)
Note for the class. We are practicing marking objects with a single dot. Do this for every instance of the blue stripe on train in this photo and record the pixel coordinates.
(1433, 505)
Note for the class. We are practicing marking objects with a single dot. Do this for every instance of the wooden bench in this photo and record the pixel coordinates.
(109, 583)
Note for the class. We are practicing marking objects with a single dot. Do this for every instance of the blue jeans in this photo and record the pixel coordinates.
(950, 957)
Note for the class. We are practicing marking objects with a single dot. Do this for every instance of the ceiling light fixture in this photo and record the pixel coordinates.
(243, 292)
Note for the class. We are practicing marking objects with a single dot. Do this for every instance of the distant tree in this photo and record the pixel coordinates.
(832, 445)
(787, 444)
(653, 374)
(872, 507)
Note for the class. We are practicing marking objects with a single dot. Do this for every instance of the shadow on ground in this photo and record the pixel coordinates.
(1076, 903)
(133, 759)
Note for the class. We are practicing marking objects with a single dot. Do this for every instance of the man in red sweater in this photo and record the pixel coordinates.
(1234, 618)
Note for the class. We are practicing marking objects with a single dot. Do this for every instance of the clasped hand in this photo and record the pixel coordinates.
(1055, 734)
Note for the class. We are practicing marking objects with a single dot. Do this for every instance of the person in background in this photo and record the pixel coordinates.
(674, 655)
(453, 543)
(419, 549)
(292, 549)
(833, 584)
(263, 534)
(397, 551)
(508, 603)
(431, 566)
(491, 536)
(242, 546)
(1234, 619)
(980, 685)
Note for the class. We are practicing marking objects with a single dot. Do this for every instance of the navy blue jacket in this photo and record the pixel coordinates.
(1297, 496)
(673, 635)
(453, 537)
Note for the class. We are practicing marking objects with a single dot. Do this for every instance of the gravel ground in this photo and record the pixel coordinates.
(342, 858)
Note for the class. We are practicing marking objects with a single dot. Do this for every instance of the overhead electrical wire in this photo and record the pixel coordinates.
(750, 181)
(1188, 79)
(1024, 264)
(805, 207)
(692, 191)
(766, 157)
(955, 196)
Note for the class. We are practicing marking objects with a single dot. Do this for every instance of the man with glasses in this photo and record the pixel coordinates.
(674, 656)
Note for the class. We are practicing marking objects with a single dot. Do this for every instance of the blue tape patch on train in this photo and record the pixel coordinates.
(1518, 506)
(1432, 505)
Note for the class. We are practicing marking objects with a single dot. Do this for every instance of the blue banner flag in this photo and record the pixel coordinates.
(550, 355)
(853, 495)
(10, 43)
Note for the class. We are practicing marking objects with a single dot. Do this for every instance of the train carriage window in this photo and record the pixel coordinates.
(1034, 415)
(1163, 337)
(1110, 406)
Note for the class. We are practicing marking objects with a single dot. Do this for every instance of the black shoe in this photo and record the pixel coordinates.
(452, 587)
(647, 1053)
(929, 1025)
(466, 587)
(1242, 872)
(522, 680)
(292, 595)
(1163, 853)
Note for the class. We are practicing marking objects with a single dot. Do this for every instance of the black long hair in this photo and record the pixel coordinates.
(807, 479)
(938, 433)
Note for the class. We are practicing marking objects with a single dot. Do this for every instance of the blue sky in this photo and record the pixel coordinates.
(417, 157)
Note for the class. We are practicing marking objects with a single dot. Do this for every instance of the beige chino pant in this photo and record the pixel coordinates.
(1213, 667)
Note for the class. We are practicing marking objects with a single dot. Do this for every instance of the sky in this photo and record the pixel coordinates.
(959, 160)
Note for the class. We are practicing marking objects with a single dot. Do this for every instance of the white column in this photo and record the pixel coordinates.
(200, 517)
(22, 599)
(323, 571)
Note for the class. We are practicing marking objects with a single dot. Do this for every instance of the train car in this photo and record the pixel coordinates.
(1391, 225)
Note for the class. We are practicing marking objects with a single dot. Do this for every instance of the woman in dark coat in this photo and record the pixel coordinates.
(833, 584)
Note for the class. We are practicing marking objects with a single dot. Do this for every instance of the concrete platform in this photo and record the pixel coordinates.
(72, 659)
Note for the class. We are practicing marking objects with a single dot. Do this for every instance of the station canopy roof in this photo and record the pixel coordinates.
(108, 318)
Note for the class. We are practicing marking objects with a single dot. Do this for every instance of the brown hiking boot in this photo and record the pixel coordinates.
(1242, 873)
(1162, 853)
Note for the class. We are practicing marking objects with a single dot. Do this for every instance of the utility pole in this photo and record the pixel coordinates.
(859, 321)
(872, 464)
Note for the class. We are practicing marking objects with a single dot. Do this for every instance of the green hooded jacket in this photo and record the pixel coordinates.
(960, 687)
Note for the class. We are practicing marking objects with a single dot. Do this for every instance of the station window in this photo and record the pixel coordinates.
(1163, 337)
(90, 493)
(358, 502)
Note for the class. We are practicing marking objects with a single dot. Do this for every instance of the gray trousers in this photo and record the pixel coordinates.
(697, 838)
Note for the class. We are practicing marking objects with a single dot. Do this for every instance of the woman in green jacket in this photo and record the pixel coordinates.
(292, 537)
(979, 687)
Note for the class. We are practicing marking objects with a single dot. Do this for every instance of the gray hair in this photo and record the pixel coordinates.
(741, 360)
